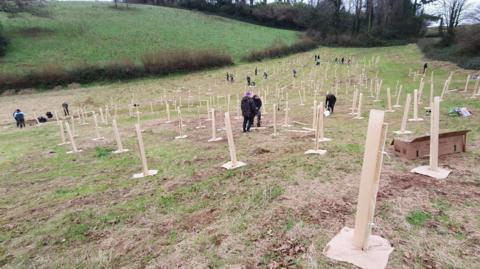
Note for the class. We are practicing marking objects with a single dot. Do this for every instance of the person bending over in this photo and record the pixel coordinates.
(258, 106)
(330, 101)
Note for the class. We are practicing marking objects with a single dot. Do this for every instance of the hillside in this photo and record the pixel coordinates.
(96, 32)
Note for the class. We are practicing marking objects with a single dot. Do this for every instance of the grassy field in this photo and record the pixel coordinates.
(94, 33)
(86, 211)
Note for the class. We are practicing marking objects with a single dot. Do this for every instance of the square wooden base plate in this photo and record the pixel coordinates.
(215, 139)
(319, 152)
(150, 173)
(230, 166)
(120, 151)
(341, 248)
(440, 173)
(181, 137)
(323, 139)
(71, 152)
(417, 119)
(402, 132)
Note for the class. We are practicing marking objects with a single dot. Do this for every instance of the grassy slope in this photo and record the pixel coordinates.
(85, 211)
(95, 33)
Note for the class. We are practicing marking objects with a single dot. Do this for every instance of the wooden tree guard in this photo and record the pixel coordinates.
(415, 107)
(82, 117)
(56, 116)
(359, 108)
(354, 102)
(358, 246)
(403, 128)
(72, 140)
(214, 129)
(275, 120)
(151, 108)
(62, 134)
(319, 125)
(314, 117)
(432, 92)
(286, 123)
(36, 118)
(116, 133)
(379, 87)
(182, 134)
(72, 120)
(399, 93)
(233, 163)
(477, 87)
(167, 108)
(316, 150)
(107, 114)
(301, 97)
(200, 126)
(420, 90)
(102, 118)
(97, 132)
(145, 171)
(466, 83)
(433, 170)
(389, 102)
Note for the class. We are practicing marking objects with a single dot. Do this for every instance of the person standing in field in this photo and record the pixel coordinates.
(330, 101)
(425, 66)
(248, 111)
(258, 106)
(19, 117)
(265, 75)
(294, 73)
(65, 109)
(256, 71)
(249, 81)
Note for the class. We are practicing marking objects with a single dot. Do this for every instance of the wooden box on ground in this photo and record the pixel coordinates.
(419, 147)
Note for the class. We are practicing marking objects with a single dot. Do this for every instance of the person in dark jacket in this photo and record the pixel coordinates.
(294, 73)
(256, 71)
(248, 111)
(65, 109)
(258, 106)
(425, 66)
(19, 117)
(265, 75)
(249, 81)
(330, 101)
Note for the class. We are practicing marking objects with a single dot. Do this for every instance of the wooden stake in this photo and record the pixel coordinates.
(181, 135)
(286, 123)
(354, 102)
(167, 107)
(62, 134)
(359, 109)
(120, 148)
(233, 163)
(102, 118)
(274, 120)
(415, 107)
(399, 93)
(72, 140)
(97, 132)
(466, 83)
(403, 128)
(370, 178)
(214, 128)
(143, 158)
(433, 170)
(389, 102)
(319, 125)
(318, 130)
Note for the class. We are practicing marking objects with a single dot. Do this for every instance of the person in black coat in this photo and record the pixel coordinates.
(258, 106)
(65, 109)
(248, 111)
(330, 101)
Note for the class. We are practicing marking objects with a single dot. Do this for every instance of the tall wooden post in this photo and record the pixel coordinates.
(167, 107)
(433, 170)
(403, 128)
(389, 102)
(233, 163)
(143, 158)
(319, 125)
(466, 83)
(72, 120)
(107, 114)
(354, 102)
(116, 133)
(415, 107)
(359, 109)
(274, 120)
(214, 128)
(102, 118)
(399, 93)
(358, 246)
(369, 179)
(182, 134)
(72, 140)
(318, 130)
(286, 123)
(62, 134)
(420, 91)
(97, 132)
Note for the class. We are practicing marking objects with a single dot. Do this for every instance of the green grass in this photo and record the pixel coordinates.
(94, 33)
(418, 218)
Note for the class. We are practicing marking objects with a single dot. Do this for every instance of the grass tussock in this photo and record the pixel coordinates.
(279, 49)
(152, 64)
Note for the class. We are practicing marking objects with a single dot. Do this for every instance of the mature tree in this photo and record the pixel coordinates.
(13, 7)
(452, 12)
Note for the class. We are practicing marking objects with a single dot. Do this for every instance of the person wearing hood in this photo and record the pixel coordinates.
(258, 106)
(248, 111)
(19, 117)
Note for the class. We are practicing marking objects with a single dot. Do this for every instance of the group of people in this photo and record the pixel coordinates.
(342, 60)
(230, 77)
(317, 59)
(251, 106)
(19, 116)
